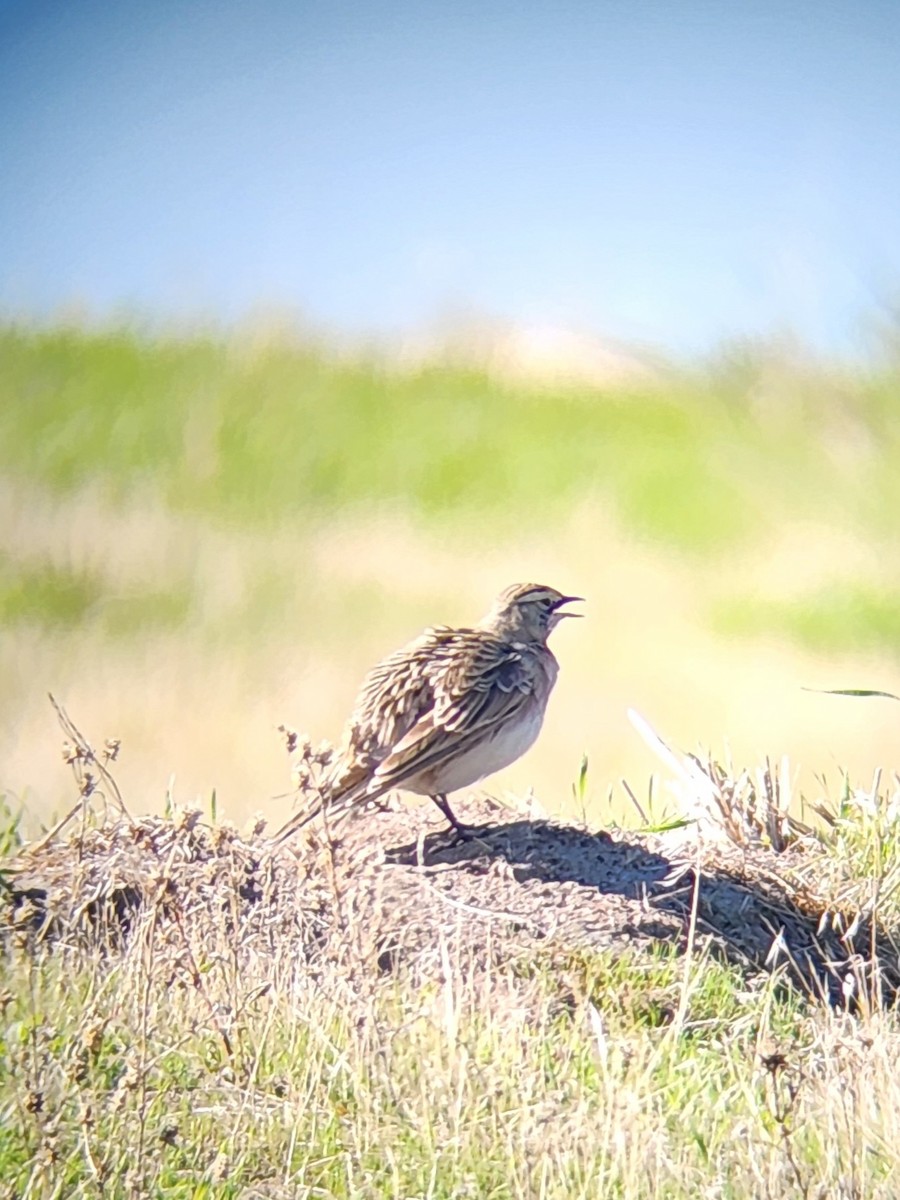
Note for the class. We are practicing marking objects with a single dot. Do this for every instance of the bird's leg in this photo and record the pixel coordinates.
(463, 830)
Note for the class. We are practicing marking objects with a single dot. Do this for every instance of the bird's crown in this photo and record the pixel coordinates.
(527, 611)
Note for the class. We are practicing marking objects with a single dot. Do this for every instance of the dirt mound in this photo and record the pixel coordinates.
(390, 891)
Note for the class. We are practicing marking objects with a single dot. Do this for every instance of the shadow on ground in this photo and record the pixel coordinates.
(391, 891)
(597, 889)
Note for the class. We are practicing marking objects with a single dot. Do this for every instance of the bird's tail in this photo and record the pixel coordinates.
(289, 828)
(336, 804)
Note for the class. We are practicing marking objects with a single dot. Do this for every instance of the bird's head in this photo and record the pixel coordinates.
(527, 612)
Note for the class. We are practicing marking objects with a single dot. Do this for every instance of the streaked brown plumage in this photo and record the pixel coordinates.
(450, 708)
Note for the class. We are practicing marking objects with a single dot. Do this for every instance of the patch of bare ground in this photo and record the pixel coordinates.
(389, 894)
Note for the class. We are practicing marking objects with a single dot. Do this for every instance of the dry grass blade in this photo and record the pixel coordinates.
(748, 809)
(861, 692)
(81, 757)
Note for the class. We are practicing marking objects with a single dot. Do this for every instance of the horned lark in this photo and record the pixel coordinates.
(450, 708)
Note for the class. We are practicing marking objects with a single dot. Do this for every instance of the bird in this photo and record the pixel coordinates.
(450, 708)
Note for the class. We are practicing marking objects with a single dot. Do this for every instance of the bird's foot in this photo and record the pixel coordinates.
(459, 833)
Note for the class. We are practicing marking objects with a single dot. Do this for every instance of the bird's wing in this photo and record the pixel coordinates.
(479, 685)
(395, 695)
(392, 699)
(483, 683)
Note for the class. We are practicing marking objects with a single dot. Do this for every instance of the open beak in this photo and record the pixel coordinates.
(567, 600)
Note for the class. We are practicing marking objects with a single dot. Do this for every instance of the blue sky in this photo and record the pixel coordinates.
(674, 173)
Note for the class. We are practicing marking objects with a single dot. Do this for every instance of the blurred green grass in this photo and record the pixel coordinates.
(820, 622)
(54, 596)
(251, 434)
(291, 431)
(45, 593)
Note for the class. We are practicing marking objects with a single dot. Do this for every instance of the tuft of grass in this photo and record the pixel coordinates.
(862, 867)
(10, 819)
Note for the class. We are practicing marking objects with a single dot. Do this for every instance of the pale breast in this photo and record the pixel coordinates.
(493, 754)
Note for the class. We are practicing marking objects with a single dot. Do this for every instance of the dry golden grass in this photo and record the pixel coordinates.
(543, 1013)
